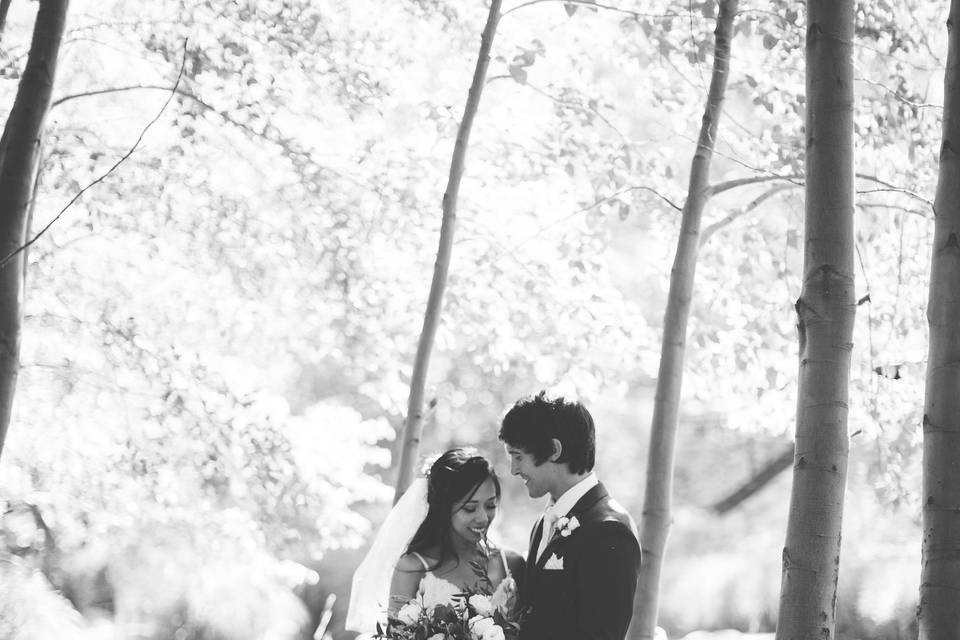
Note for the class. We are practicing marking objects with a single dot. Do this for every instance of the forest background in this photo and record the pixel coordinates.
(219, 336)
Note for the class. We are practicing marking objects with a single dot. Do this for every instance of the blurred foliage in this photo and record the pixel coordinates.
(219, 335)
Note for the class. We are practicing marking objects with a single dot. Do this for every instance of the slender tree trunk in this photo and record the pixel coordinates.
(939, 613)
(825, 315)
(4, 10)
(657, 516)
(19, 154)
(413, 427)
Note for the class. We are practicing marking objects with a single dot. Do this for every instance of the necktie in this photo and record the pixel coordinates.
(549, 522)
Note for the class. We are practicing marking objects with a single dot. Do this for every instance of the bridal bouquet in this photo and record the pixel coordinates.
(475, 614)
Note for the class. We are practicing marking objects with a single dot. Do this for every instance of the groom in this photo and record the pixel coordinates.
(584, 556)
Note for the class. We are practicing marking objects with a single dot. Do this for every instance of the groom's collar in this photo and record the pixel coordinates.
(572, 496)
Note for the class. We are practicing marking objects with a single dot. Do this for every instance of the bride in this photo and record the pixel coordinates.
(429, 540)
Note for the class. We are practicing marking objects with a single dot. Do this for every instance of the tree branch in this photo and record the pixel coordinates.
(595, 5)
(174, 90)
(583, 109)
(881, 205)
(743, 182)
(615, 194)
(284, 143)
(18, 250)
(797, 180)
(756, 482)
(892, 188)
(742, 211)
(899, 96)
(100, 92)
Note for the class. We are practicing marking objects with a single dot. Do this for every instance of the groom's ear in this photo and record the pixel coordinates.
(557, 451)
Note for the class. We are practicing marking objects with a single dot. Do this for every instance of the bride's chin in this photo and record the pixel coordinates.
(474, 536)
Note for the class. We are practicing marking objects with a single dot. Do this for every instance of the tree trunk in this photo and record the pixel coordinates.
(4, 10)
(413, 427)
(938, 613)
(656, 517)
(825, 315)
(19, 154)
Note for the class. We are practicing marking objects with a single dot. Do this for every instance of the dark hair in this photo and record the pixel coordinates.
(532, 424)
(454, 477)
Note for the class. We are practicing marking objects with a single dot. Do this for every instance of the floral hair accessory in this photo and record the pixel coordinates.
(566, 526)
(428, 463)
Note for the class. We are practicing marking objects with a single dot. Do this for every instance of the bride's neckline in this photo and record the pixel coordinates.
(455, 588)
(436, 578)
(428, 562)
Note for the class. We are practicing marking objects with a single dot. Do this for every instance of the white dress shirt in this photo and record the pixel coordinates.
(562, 507)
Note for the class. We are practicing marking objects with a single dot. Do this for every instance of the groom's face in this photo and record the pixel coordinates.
(536, 477)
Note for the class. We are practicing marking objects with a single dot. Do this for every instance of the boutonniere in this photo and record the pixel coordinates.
(566, 526)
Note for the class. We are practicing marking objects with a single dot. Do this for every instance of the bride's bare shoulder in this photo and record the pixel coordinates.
(413, 563)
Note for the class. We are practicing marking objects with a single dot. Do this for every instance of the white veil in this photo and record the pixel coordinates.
(370, 591)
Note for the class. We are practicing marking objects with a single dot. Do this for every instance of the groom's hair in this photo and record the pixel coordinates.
(532, 424)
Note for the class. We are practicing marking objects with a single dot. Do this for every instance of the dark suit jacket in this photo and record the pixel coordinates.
(591, 597)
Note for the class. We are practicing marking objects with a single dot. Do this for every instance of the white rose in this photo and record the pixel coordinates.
(481, 604)
(440, 592)
(493, 633)
(478, 625)
(568, 526)
(410, 612)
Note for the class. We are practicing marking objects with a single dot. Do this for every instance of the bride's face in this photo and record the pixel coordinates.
(472, 516)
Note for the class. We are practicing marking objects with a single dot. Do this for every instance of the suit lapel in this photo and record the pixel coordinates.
(590, 498)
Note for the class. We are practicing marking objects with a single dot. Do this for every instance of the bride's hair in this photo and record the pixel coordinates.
(453, 478)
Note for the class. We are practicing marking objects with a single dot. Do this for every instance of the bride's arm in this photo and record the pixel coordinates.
(405, 583)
